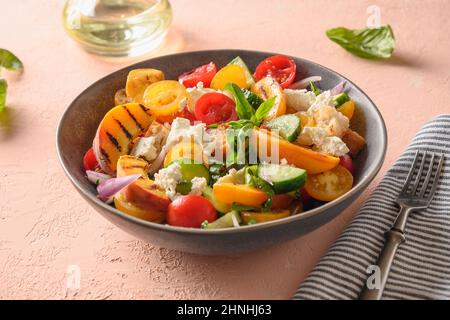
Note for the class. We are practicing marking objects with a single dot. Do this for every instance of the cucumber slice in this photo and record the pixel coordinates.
(225, 222)
(340, 99)
(191, 169)
(283, 178)
(252, 98)
(219, 206)
(288, 126)
(248, 75)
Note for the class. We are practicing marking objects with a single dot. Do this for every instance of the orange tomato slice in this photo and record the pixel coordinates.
(230, 73)
(165, 98)
(329, 185)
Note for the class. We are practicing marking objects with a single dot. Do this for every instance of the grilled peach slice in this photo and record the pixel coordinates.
(115, 132)
(138, 80)
(144, 194)
(313, 162)
(129, 165)
(267, 88)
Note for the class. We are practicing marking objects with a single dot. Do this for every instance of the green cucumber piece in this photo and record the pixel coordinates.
(252, 98)
(239, 62)
(288, 126)
(184, 187)
(191, 169)
(340, 99)
(219, 206)
(283, 178)
(225, 221)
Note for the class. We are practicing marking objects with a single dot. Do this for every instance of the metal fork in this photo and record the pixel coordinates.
(411, 198)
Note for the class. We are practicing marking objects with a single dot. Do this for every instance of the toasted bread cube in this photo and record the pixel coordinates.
(354, 142)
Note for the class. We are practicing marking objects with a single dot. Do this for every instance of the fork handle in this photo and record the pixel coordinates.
(393, 240)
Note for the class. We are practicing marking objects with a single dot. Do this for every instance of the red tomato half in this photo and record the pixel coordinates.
(89, 160)
(214, 107)
(186, 114)
(203, 73)
(281, 68)
(190, 211)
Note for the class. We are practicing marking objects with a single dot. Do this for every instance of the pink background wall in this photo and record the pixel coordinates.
(45, 226)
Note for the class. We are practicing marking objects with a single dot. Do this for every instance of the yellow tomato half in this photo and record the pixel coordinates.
(347, 109)
(329, 185)
(150, 215)
(230, 73)
(165, 99)
(190, 150)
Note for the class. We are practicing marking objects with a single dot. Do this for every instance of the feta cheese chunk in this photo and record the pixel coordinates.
(299, 100)
(198, 185)
(146, 148)
(168, 179)
(323, 142)
(326, 116)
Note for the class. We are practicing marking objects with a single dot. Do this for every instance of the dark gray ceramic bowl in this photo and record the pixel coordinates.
(79, 122)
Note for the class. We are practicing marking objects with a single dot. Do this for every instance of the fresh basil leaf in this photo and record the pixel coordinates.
(213, 126)
(240, 123)
(315, 89)
(243, 109)
(252, 179)
(264, 110)
(3, 87)
(238, 207)
(9, 61)
(369, 43)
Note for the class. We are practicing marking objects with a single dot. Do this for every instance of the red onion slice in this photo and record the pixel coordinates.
(97, 177)
(338, 88)
(157, 163)
(304, 83)
(108, 189)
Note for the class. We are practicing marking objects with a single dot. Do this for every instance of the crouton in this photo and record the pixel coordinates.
(354, 142)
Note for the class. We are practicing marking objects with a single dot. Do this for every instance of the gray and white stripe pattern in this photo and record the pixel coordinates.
(421, 268)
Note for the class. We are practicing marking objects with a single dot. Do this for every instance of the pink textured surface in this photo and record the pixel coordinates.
(45, 226)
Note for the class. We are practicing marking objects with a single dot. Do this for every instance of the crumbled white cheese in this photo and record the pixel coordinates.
(326, 116)
(323, 142)
(198, 185)
(181, 130)
(168, 179)
(299, 99)
(146, 147)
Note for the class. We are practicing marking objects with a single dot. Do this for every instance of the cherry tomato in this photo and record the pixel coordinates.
(164, 98)
(281, 68)
(89, 160)
(185, 113)
(281, 201)
(347, 162)
(203, 74)
(329, 185)
(190, 211)
(214, 107)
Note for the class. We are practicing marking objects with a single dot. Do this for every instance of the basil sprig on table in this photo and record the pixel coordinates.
(369, 43)
(10, 62)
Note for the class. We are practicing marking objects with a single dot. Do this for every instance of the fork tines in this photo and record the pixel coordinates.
(423, 172)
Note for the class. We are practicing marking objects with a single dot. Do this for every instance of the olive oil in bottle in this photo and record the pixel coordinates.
(117, 27)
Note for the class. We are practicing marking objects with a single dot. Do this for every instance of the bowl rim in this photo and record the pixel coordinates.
(364, 182)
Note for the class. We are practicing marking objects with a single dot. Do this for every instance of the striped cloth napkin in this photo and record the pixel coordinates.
(421, 268)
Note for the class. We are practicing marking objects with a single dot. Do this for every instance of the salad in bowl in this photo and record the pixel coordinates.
(224, 148)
